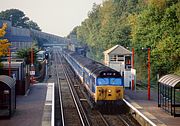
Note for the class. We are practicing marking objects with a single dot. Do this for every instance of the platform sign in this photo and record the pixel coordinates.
(127, 78)
(133, 77)
(133, 74)
(32, 73)
(32, 70)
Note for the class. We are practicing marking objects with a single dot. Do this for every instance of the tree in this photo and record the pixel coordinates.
(136, 23)
(33, 25)
(157, 27)
(4, 44)
(107, 25)
(18, 19)
(26, 54)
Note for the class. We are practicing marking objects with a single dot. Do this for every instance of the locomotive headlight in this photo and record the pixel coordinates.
(109, 91)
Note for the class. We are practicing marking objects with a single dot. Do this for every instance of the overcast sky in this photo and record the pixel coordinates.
(58, 17)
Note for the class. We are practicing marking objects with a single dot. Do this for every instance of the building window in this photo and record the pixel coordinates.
(113, 58)
(120, 58)
(128, 60)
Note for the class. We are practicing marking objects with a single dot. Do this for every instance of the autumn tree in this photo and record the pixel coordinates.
(4, 44)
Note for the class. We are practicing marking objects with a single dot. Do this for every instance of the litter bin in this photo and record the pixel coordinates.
(7, 96)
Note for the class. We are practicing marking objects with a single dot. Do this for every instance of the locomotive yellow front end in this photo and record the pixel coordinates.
(109, 93)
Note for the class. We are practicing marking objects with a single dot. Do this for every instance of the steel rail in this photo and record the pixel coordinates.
(60, 96)
(79, 101)
(106, 123)
(74, 99)
(124, 121)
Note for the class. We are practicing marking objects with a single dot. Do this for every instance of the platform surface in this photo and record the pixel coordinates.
(150, 107)
(29, 108)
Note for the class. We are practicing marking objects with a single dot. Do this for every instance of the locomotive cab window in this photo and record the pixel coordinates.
(116, 81)
(102, 81)
(109, 81)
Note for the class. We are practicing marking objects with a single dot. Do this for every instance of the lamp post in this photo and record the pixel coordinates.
(9, 52)
(32, 69)
(149, 74)
(9, 61)
(133, 68)
(32, 58)
(149, 70)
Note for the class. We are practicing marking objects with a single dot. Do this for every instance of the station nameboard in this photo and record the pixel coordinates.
(32, 73)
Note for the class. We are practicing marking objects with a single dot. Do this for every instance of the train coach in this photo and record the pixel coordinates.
(103, 84)
(41, 56)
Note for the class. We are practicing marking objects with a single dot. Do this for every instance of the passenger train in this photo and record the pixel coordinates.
(103, 84)
(41, 56)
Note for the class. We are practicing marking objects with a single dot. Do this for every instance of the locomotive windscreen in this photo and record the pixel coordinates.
(116, 81)
(109, 81)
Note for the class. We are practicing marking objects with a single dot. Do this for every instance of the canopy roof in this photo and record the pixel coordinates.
(10, 82)
(118, 49)
(170, 80)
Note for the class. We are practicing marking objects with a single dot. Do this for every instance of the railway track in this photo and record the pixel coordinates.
(74, 106)
(95, 116)
(71, 111)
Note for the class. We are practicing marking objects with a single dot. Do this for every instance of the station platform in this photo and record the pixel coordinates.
(29, 108)
(150, 109)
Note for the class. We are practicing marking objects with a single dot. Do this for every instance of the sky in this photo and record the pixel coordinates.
(57, 17)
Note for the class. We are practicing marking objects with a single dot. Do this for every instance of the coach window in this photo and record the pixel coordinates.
(86, 77)
(93, 80)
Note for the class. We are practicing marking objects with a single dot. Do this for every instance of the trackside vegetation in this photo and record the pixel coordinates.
(135, 23)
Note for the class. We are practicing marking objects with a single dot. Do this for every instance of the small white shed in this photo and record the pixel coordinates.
(119, 58)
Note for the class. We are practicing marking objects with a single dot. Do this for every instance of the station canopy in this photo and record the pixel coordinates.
(170, 80)
(10, 82)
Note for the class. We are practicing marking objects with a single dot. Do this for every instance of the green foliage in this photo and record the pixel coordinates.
(33, 25)
(26, 54)
(136, 23)
(18, 19)
(106, 25)
(157, 27)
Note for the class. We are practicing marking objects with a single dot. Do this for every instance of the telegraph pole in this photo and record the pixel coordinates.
(149, 95)
(32, 69)
(148, 69)
(132, 67)
(9, 61)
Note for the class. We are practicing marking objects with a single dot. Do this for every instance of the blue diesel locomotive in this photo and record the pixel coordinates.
(103, 84)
